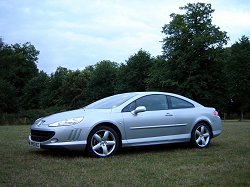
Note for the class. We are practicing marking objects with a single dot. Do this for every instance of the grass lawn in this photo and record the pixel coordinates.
(225, 163)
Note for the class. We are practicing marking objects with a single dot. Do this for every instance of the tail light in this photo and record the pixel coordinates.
(216, 113)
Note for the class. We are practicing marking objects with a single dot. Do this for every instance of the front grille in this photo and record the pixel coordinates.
(41, 136)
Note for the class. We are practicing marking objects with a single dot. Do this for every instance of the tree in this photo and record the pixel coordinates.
(82, 90)
(8, 98)
(65, 89)
(238, 73)
(132, 75)
(17, 67)
(192, 47)
(55, 87)
(1, 43)
(74, 89)
(157, 75)
(18, 64)
(35, 92)
(102, 80)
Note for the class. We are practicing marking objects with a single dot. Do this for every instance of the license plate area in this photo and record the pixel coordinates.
(35, 144)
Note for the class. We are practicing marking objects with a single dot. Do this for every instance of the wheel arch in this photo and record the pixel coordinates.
(111, 125)
(207, 123)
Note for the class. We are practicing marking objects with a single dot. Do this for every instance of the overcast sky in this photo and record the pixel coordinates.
(78, 33)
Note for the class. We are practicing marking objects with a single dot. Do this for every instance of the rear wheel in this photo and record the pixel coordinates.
(103, 141)
(201, 135)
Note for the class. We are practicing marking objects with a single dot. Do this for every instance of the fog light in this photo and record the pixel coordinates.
(54, 140)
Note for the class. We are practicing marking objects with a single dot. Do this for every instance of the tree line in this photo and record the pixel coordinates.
(193, 63)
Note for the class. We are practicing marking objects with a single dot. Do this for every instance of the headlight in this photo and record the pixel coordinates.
(67, 122)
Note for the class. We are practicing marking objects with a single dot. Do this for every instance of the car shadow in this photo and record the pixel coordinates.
(59, 153)
(154, 149)
(64, 153)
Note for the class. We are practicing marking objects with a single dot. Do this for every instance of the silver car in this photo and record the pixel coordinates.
(125, 120)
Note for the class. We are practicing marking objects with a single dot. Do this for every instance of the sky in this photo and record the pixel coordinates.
(78, 33)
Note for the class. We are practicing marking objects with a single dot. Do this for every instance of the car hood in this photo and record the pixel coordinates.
(72, 114)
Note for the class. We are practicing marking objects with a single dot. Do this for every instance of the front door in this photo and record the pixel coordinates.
(156, 121)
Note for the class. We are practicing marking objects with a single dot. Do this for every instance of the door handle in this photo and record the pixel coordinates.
(168, 114)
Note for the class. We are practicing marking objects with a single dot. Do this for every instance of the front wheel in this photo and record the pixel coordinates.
(103, 141)
(201, 135)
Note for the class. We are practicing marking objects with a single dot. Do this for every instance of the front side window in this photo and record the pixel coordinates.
(151, 102)
(177, 103)
(129, 107)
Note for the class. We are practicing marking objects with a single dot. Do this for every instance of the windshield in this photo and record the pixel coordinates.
(111, 102)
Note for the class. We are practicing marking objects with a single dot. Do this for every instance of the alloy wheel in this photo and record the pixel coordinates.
(202, 136)
(103, 142)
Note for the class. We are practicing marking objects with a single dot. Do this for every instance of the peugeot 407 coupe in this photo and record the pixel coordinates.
(125, 120)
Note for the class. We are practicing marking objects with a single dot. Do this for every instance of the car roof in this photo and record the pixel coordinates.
(139, 94)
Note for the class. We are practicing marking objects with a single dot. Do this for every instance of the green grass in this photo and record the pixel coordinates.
(225, 163)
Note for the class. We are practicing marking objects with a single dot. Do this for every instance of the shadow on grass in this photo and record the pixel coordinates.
(154, 149)
(167, 148)
(59, 153)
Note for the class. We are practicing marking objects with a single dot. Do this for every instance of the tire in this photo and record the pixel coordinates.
(103, 141)
(201, 135)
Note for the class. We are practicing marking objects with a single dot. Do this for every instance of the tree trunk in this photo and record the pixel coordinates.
(241, 115)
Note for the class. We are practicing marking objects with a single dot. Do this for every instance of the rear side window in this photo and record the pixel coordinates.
(177, 103)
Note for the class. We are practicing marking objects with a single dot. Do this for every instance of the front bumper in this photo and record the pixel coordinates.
(65, 137)
(72, 145)
(217, 133)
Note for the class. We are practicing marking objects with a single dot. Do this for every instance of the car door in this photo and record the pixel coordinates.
(153, 122)
(184, 113)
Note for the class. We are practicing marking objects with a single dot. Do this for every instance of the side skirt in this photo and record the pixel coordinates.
(156, 140)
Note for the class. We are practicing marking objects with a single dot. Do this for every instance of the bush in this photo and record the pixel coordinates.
(27, 117)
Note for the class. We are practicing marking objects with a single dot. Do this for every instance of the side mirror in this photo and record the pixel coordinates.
(138, 110)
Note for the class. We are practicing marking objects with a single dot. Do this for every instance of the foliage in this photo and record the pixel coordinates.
(8, 98)
(17, 67)
(33, 92)
(132, 75)
(157, 75)
(192, 46)
(25, 117)
(238, 73)
(102, 80)
(74, 88)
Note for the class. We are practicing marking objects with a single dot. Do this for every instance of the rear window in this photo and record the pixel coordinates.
(177, 103)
